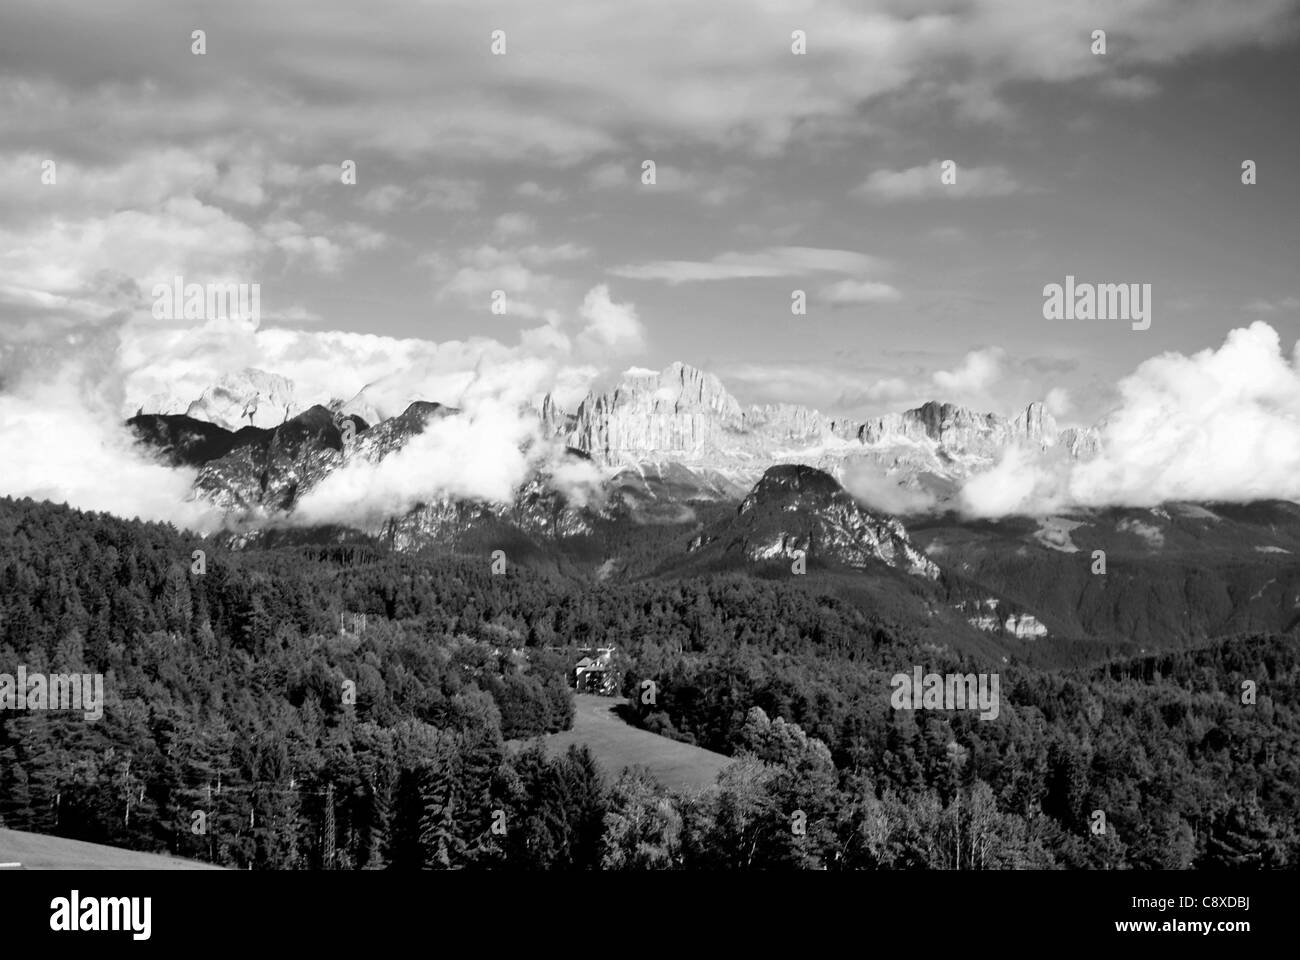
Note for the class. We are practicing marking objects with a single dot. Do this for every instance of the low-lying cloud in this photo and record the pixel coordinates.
(64, 399)
(478, 454)
(1221, 424)
(872, 487)
(63, 442)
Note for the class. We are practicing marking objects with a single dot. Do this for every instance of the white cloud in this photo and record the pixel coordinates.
(609, 326)
(768, 262)
(860, 291)
(511, 225)
(924, 181)
(1153, 535)
(1058, 402)
(1018, 484)
(874, 488)
(671, 73)
(535, 191)
(978, 371)
(478, 454)
(479, 271)
(1130, 88)
(1218, 425)
(65, 442)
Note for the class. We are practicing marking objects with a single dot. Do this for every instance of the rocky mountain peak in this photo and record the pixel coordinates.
(249, 398)
(794, 479)
(797, 509)
(1035, 425)
(678, 388)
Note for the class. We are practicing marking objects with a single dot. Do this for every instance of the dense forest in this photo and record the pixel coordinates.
(341, 707)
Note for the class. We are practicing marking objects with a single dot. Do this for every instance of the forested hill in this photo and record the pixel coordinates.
(302, 707)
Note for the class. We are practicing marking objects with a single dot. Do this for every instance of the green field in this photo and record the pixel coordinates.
(36, 851)
(617, 745)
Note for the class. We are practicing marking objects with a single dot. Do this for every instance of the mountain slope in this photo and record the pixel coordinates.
(797, 510)
(1175, 576)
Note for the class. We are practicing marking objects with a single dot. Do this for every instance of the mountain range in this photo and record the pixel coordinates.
(692, 483)
(685, 417)
(674, 435)
(661, 442)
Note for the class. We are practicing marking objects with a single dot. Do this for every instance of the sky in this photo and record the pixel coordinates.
(522, 171)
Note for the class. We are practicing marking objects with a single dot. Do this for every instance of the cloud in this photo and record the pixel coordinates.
(985, 380)
(609, 176)
(1282, 304)
(477, 272)
(1153, 535)
(448, 193)
(1058, 402)
(486, 452)
(978, 371)
(535, 191)
(924, 181)
(871, 486)
(511, 225)
(181, 236)
(295, 313)
(609, 326)
(64, 441)
(847, 292)
(383, 199)
(581, 481)
(1130, 88)
(1218, 425)
(669, 73)
(63, 399)
(1018, 484)
(479, 454)
(768, 262)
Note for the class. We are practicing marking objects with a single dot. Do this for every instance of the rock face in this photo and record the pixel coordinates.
(375, 443)
(182, 441)
(681, 414)
(268, 470)
(538, 510)
(1082, 443)
(984, 615)
(251, 398)
(1024, 627)
(686, 417)
(959, 432)
(795, 508)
